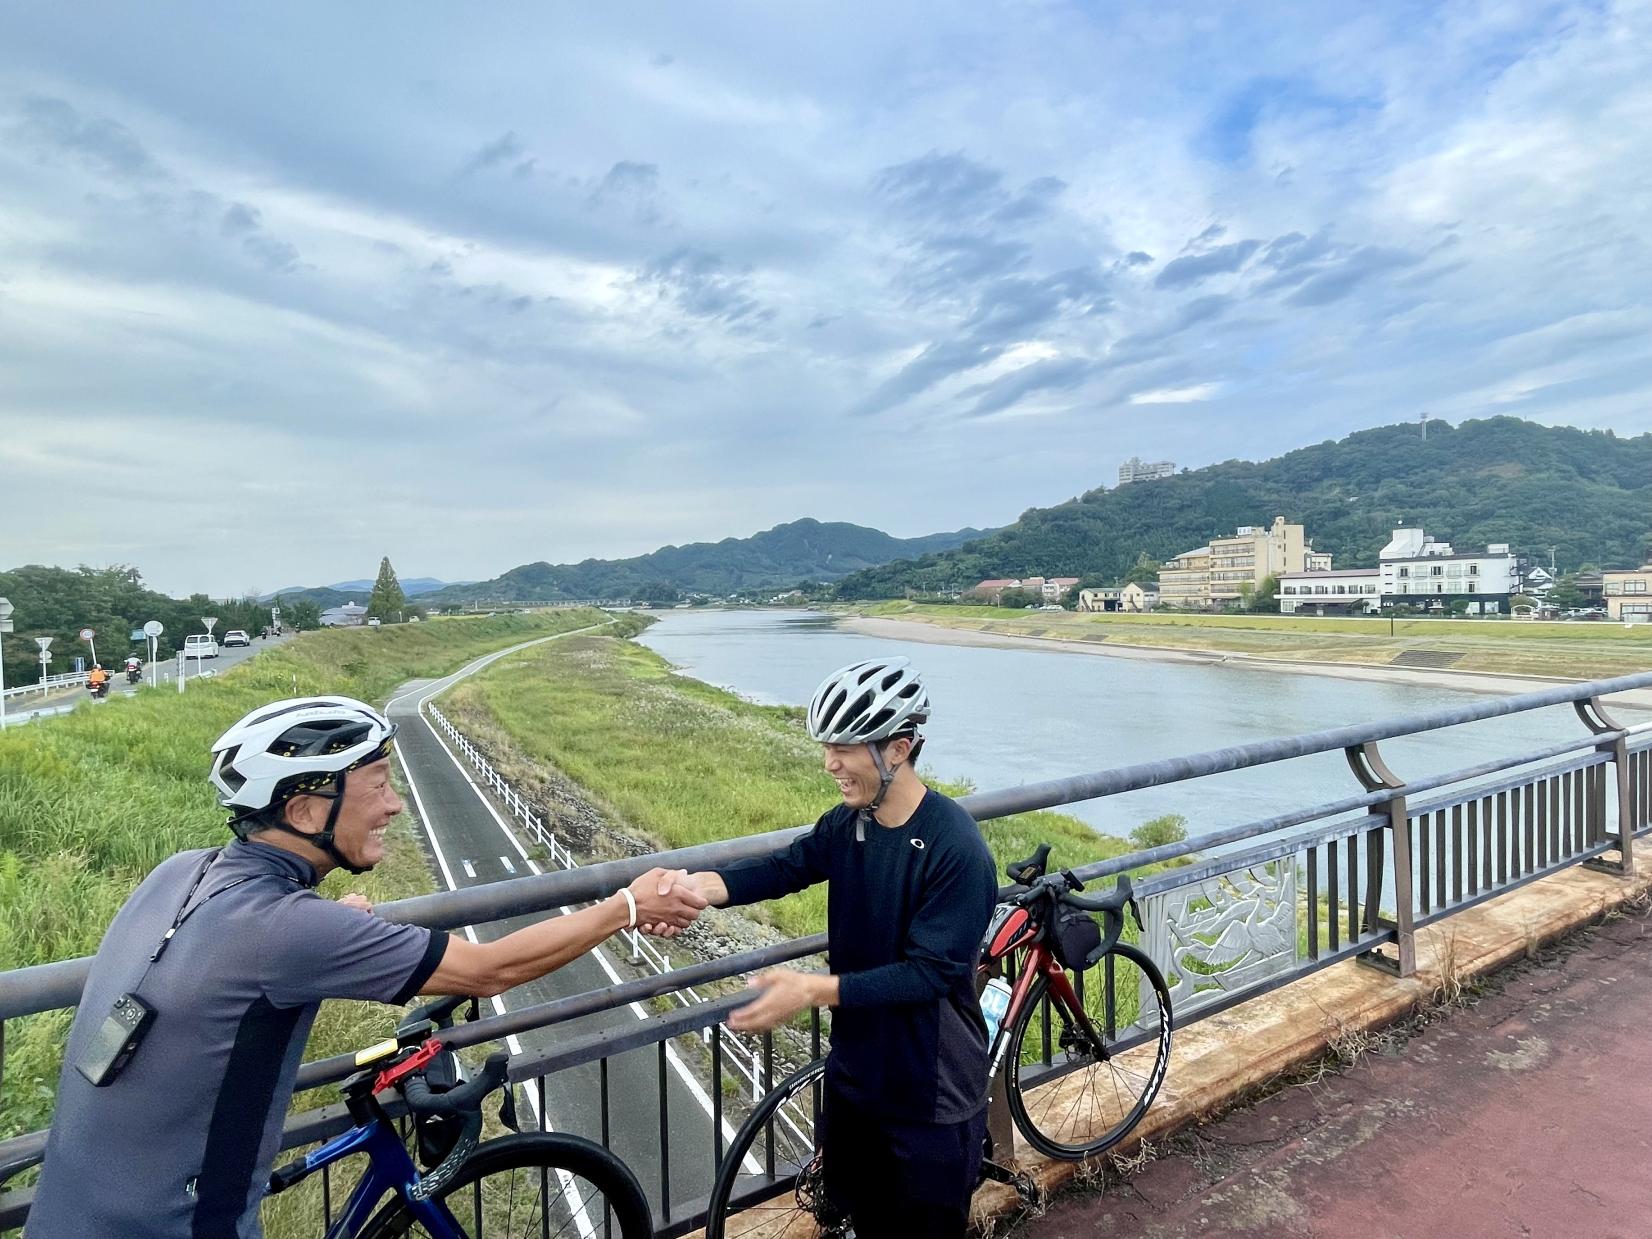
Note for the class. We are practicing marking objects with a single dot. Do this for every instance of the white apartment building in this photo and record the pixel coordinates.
(1420, 572)
(1138, 470)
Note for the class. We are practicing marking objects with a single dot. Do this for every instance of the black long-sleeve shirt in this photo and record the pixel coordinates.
(906, 910)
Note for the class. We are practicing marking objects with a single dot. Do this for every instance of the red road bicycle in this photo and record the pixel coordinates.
(1085, 1038)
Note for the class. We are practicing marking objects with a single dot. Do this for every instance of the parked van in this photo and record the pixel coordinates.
(200, 645)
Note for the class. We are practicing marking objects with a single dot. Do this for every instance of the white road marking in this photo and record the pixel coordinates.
(470, 869)
(506, 861)
(696, 1090)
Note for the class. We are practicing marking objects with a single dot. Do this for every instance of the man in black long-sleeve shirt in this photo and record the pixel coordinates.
(912, 890)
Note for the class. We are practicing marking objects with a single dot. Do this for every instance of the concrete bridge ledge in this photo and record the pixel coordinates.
(1226, 1059)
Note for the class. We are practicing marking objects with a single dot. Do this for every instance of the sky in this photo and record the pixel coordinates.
(287, 288)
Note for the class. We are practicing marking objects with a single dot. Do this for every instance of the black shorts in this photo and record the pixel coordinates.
(911, 1180)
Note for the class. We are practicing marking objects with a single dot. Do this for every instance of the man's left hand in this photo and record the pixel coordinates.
(356, 900)
(781, 994)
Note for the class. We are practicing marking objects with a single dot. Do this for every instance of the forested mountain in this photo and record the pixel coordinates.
(1587, 493)
(340, 592)
(805, 550)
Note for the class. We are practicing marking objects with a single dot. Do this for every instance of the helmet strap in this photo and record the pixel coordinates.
(886, 776)
(323, 838)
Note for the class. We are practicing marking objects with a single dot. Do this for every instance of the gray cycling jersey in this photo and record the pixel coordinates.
(181, 1144)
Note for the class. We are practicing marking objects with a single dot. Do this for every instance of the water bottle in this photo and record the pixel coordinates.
(995, 1001)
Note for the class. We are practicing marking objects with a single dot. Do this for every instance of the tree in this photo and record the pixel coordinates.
(304, 615)
(1018, 598)
(1564, 593)
(657, 593)
(1145, 571)
(388, 602)
(1262, 596)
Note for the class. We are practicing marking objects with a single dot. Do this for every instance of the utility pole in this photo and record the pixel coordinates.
(1423, 419)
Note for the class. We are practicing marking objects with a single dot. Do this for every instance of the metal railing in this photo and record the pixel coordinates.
(63, 680)
(1355, 877)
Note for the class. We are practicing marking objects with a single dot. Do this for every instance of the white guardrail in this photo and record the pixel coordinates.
(742, 1058)
(52, 681)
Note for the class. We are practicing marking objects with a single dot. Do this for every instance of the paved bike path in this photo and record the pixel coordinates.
(1523, 1115)
(472, 846)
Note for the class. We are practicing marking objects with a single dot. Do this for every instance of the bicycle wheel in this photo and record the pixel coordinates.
(1070, 1096)
(754, 1193)
(535, 1184)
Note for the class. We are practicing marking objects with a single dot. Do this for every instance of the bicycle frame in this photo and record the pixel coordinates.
(389, 1171)
(1014, 934)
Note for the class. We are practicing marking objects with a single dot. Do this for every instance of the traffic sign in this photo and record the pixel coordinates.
(137, 634)
(86, 634)
(44, 643)
(154, 628)
(211, 622)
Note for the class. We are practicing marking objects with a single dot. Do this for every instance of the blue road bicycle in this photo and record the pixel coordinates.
(527, 1184)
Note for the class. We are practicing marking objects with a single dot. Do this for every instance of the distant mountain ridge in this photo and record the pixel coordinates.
(1586, 493)
(341, 592)
(778, 558)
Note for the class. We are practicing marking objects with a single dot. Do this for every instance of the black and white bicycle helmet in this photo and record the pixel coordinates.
(868, 701)
(302, 746)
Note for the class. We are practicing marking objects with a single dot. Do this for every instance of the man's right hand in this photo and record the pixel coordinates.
(664, 901)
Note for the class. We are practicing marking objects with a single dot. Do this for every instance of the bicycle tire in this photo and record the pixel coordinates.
(800, 1219)
(547, 1152)
(1133, 1081)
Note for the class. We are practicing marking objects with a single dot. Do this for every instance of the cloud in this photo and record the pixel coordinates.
(1342, 279)
(702, 285)
(1178, 395)
(54, 128)
(1224, 259)
(507, 148)
(631, 187)
(1054, 374)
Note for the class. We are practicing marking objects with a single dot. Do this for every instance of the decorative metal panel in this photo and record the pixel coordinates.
(1224, 934)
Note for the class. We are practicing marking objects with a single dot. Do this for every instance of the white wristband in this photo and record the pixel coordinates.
(631, 904)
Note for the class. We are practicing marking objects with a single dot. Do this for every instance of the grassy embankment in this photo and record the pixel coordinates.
(91, 802)
(1565, 650)
(678, 762)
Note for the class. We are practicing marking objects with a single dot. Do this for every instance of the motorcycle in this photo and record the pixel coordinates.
(134, 673)
(98, 691)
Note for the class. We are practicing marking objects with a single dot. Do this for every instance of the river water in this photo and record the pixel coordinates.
(1004, 717)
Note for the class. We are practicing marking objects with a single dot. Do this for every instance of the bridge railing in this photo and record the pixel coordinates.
(1354, 877)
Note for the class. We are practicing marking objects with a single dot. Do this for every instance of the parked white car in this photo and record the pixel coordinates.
(200, 645)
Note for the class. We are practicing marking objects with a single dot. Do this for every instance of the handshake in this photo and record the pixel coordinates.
(668, 901)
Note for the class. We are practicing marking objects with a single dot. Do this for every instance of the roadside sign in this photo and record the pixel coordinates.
(45, 656)
(137, 634)
(154, 628)
(80, 664)
(86, 634)
(45, 643)
(211, 622)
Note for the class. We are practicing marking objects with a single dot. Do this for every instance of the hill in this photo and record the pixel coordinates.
(353, 591)
(1587, 493)
(804, 550)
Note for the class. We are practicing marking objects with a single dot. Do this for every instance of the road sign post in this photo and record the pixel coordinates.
(45, 644)
(153, 630)
(6, 609)
(89, 636)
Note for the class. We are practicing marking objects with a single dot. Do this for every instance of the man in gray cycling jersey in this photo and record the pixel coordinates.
(180, 1143)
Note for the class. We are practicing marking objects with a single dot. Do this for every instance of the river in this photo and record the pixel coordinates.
(1004, 717)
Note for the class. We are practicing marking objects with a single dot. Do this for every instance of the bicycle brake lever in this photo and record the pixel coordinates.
(1136, 912)
(1073, 884)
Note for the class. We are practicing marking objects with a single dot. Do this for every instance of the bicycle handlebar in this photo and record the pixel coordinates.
(421, 1100)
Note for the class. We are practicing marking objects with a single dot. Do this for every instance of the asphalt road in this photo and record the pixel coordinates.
(21, 709)
(471, 844)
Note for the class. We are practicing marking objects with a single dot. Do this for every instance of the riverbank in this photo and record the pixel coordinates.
(1357, 656)
(665, 761)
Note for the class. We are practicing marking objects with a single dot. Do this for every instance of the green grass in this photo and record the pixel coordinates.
(1569, 651)
(679, 762)
(91, 802)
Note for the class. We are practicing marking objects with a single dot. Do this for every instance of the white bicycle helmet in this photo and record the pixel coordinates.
(868, 701)
(303, 746)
